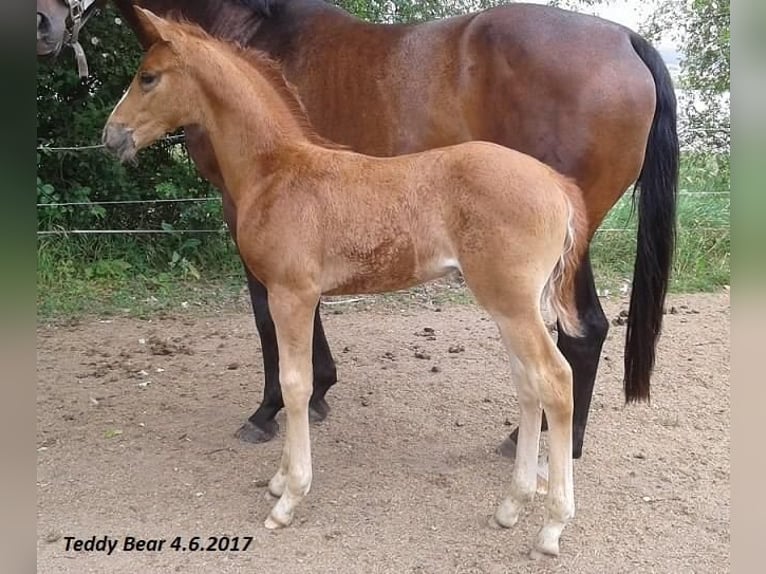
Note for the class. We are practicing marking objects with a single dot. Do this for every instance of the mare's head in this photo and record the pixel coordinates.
(162, 95)
(59, 23)
(52, 18)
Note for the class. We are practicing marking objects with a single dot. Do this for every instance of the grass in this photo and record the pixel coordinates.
(703, 249)
(137, 276)
(145, 275)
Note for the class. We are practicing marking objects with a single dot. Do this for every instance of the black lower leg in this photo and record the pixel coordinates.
(584, 353)
(261, 426)
(325, 372)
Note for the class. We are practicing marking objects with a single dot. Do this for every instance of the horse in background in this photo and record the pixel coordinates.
(588, 97)
(58, 25)
(313, 219)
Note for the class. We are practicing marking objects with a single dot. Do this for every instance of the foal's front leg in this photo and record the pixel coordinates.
(293, 314)
(261, 426)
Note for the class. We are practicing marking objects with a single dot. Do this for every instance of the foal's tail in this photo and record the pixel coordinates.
(559, 291)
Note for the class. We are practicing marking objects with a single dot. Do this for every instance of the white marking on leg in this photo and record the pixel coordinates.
(524, 480)
(293, 322)
(559, 503)
(542, 474)
(296, 393)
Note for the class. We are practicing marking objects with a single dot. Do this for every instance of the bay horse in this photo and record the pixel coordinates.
(314, 219)
(58, 25)
(588, 97)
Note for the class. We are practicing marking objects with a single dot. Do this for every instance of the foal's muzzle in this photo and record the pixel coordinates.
(118, 139)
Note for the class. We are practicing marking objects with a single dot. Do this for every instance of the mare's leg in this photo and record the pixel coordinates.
(261, 426)
(583, 355)
(293, 314)
(325, 373)
(546, 378)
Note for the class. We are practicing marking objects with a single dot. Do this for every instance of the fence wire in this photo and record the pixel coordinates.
(179, 138)
(218, 199)
(60, 232)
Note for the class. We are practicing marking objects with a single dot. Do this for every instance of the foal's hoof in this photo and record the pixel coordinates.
(318, 410)
(550, 550)
(547, 544)
(272, 524)
(507, 448)
(249, 432)
(277, 519)
(507, 514)
(494, 524)
(535, 554)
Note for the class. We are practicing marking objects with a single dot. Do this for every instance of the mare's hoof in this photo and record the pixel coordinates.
(251, 433)
(507, 448)
(318, 410)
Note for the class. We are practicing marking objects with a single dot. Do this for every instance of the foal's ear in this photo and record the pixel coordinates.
(153, 28)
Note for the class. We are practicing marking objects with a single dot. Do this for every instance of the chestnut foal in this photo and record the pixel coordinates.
(313, 218)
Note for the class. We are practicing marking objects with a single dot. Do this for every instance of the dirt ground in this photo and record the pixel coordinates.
(136, 422)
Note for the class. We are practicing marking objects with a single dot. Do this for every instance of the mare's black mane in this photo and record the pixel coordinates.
(264, 8)
(273, 8)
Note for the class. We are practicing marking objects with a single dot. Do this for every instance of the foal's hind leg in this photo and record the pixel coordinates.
(546, 378)
(524, 478)
(583, 354)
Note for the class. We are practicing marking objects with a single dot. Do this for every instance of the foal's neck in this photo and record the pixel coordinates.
(247, 120)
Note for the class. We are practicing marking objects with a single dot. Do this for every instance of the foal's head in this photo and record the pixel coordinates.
(166, 92)
(163, 93)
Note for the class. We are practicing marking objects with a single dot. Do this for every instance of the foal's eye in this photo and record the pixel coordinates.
(147, 79)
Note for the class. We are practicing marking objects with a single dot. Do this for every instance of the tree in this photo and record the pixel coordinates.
(702, 29)
(403, 11)
(72, 112)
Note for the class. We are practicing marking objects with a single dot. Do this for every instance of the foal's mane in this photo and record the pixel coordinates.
(271, 70)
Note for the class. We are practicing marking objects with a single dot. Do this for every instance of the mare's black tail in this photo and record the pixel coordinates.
(656, 188)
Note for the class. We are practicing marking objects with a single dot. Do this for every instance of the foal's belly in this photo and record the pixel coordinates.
(356, 278)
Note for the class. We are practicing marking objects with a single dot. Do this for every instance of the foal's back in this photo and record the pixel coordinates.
(382, 224)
